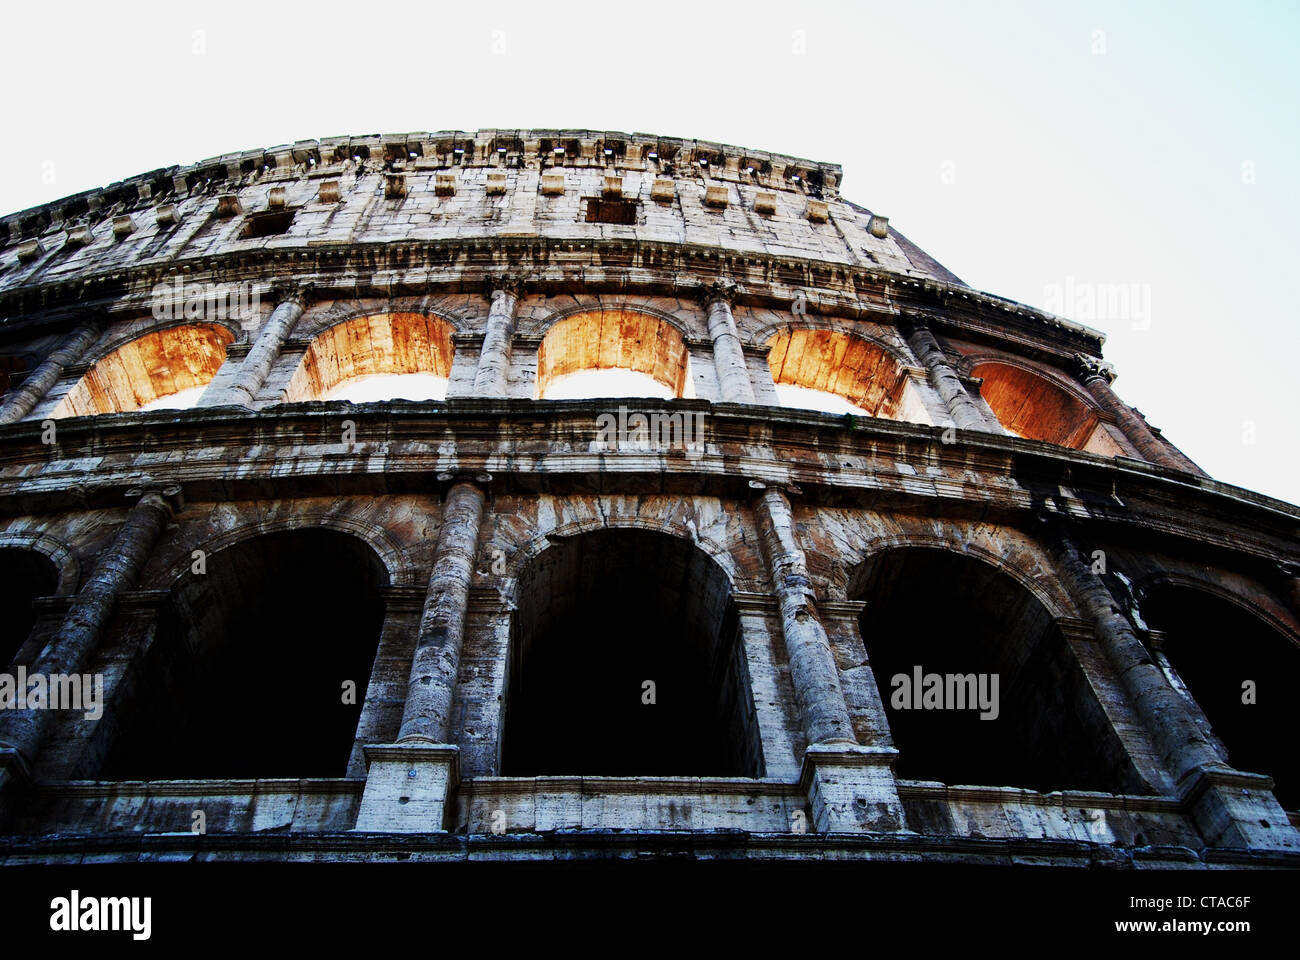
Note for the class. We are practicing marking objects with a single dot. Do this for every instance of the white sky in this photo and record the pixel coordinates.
(1033, 148)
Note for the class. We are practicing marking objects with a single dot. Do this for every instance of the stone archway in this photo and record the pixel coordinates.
(1239, 672)
(1030, 405)
(632, 351)
(404, 355)
(1012, 706)
(600, 615)
(173, 364)
(246, 676)
(812, 367)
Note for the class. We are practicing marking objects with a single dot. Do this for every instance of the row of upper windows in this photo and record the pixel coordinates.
(608, 353)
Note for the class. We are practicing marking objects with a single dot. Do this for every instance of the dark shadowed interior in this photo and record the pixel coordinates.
(246, 676)
(600, 615)
(24, 576)
(951, 614)
(1215, 647)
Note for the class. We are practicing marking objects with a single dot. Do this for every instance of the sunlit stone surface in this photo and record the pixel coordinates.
(692, 610)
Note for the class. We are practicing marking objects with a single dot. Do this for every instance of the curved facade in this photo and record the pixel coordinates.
(556, 493)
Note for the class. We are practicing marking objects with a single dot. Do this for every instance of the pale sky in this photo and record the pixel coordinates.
(1038, 150)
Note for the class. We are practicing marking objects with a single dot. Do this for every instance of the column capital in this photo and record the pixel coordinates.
(512, 283)
(299, 291)
(1087, 369)
(760, 488)
(910, 322)
(169, 494)
(722, 289)
(480, 480)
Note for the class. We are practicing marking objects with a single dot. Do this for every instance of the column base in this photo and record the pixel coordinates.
(409, 787)
(851, 789)
(1237, 810)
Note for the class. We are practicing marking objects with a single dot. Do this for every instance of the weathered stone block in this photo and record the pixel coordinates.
(408, 787)
(228, 205)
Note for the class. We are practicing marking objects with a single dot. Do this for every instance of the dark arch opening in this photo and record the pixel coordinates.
(952, 615)
(24, 576)
(601, 613)
(246, 675)
(1214, 647)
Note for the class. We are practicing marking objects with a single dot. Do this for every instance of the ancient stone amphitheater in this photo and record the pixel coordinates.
(554, 494)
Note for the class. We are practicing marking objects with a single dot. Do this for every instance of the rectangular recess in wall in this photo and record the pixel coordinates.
(267, 224)
(600, 210)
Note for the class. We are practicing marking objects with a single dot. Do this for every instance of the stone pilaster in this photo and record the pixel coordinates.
(965, 412)
(409, 783)
(734, 385)
(1229, 807)
(22, 731)
(31, 391)
(493, 373)
(851, 788)
(242, 389)
(1096, 377)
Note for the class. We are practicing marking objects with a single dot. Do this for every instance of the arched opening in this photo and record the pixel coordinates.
(1240, 672)
(602, 614)
(978, 682)
(167, 369)
(802, 398)
(24, 576)
(385, 356)
(1031, 406)
(837, 373)
(611, 353)
(246, 677)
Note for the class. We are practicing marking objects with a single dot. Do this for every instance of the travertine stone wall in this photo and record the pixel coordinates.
(499, 259)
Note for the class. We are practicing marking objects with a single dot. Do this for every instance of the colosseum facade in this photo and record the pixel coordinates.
(530, 494)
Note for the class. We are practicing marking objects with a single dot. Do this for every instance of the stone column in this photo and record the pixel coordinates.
(409, 782)
(427, 714)
(31, 391)
(1096, 377)
(493, 373)
(1229, 807)
(965, 412)
(252, 373)
(734, 385)
(22, 731)
(850, 787)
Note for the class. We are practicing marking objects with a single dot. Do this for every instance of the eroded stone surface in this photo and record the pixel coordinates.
(1044, 498)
